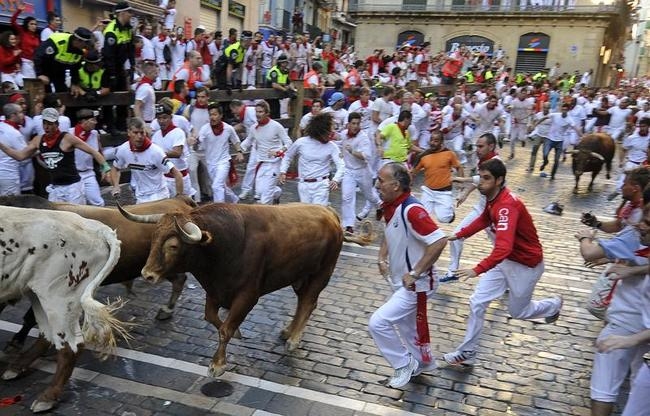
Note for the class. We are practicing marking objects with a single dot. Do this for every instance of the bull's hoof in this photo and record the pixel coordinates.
(237, 334)
(575, 191)
(291, 346)
(607, 176)
(164, 314)
(42, 406)
(216, 371)
(285, 334)
(11, 374)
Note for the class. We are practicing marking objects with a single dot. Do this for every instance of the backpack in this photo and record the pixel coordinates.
(167, 54)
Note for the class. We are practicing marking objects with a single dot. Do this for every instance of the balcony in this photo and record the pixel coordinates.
(147, 7)
(473, 6)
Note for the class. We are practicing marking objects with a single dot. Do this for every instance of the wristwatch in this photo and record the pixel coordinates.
(413, 274)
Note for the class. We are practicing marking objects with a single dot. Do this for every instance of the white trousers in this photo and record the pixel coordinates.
(249, 177)
(15, 78)
(521, 281)
(266, 181)
(639, 400)
(9, 186)
(621, 176)
(610, 369)
(438, 203)
(455, 144)
(187, 186)
(248, 76)
(456, 246)
(221, 192)
(27, 68)
(73, 193)
(315, 192)
(393, 328)
(351, 179)
(196, 159)
(518, 132)
(91, 188)
(156, 196)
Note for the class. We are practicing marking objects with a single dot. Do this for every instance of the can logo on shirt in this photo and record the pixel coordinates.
(502, 224)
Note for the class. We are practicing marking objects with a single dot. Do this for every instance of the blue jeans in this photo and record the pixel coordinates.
(548, 145)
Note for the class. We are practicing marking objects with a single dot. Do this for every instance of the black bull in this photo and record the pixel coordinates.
(135, 240)
(239, 253)
(591, 152)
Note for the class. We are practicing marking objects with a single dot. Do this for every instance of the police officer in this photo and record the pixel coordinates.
(235, 55)
(118, 49)
(93, 78)
(60, 57)
(278, 79)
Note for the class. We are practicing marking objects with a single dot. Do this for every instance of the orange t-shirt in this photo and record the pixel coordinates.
(437, 168)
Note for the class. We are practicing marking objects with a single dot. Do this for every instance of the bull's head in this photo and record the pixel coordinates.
(168, 242)
(581, 157)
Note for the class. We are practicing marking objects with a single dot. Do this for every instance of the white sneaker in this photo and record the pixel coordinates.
(425, 368)
(243, 195)
(403, 374)
(460, 357)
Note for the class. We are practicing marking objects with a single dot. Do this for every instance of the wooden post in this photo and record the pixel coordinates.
(296, 111)
(35, 91)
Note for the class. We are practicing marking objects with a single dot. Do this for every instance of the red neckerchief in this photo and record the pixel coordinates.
(642, 252)
(487, 157)
(402, 129)
(138, 52)
(218, 129)
(352, 136)
(454, 116)
(12, 124)
(242, 113)
(162, 37)
(389, 208)
(50, 139)
(176, 96)
(144, 80)
(168, 129)
(81, 133)
(364, 105)
(145, 145)
(627, 208)
(263, 122)
(217, 44)
(197, 105)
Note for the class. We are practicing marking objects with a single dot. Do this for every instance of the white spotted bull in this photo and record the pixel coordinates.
(58, 260)
(241, 252)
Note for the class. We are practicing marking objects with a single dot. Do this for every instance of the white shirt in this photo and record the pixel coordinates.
(268, 55)
(217, 148)
(46, 33)
(455, 127)
(28, 129)
(179, 121)
(560, 127)
(144, 92)
(618, 116)
(269, 139)
(147, 53)
(542, 129)
(340, 117)
(314, 159)
(520, 110)
(361, 144)
(9, 167)
(304, 120)
(178, 54)
(636, 147)
(487, 118)
(170, 19)
(215, 51)
(173, 138)
(159, 47)
(384, 108)
(198, 117)
(147, 168)
(83, 160)
(365, 112)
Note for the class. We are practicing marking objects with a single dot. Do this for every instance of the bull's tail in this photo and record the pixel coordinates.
(99, 322)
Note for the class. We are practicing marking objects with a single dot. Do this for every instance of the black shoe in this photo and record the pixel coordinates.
(552, 177)
(543, 166)
(349, 230)
(276, 201)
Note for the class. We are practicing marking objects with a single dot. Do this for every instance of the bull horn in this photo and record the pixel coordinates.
(573, 152)
(145, 219)
(596, 155)
(190, 232)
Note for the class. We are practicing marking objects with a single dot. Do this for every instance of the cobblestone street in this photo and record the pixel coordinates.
(523, 368)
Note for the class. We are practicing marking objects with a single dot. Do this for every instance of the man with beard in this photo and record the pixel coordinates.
(315, 152)
(515, 263)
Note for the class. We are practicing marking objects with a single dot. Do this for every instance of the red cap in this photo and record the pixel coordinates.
(15, 97)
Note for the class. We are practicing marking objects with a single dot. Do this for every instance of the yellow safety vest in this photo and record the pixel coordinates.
(283, 79)
(240, 52)
(488, 75)
(469, 77)
(61, 41)
(123, 35)
(90, 81)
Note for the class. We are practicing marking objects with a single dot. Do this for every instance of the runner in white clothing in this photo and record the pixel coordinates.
(215, 139)
(316, 153)
(12, 137)
(85, 130)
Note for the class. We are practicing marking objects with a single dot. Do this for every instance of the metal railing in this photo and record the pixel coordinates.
(512, 6)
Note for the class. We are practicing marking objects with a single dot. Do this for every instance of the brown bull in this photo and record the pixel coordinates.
(135, 238)
(241, 252)
(591, 152)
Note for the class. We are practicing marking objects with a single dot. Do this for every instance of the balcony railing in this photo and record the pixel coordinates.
(476, 7)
